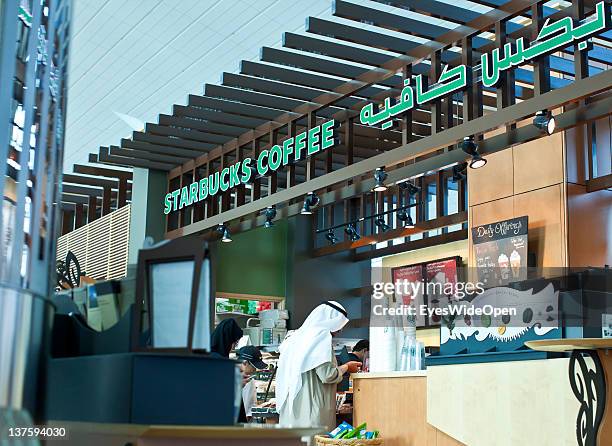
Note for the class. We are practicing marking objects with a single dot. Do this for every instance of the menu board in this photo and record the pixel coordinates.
(413, 276)
(501, 251)
(431, 283)
(442, 273)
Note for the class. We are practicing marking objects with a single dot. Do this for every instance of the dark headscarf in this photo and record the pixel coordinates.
(224, 336)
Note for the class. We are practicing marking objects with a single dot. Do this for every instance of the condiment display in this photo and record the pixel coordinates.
(345, 431)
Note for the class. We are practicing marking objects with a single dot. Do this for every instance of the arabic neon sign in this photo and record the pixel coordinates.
(552, 37)
(307, 143)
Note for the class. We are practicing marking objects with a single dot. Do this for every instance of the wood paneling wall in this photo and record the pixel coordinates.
(589, 226)
(528, 179)
(589, 215)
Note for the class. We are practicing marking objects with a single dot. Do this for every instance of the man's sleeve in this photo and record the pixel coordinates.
(328, 373)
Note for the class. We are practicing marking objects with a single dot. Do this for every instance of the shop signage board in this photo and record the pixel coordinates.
(293, 149)
(443, 272)
(413, 274)
(552, 37)
(421, 277)
(500, 249)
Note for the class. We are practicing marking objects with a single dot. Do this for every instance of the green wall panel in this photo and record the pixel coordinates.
(254, 263)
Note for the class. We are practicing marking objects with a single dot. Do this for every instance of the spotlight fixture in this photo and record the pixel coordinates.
(544, 120)
(477, 162)
(352, 233)
(331, 237)
(380, 222)
(380, 176)
(226, 237)
(459, 172)
(310, 202)
(471, 148)
(412, 189)
(404, 216)
(270, 213)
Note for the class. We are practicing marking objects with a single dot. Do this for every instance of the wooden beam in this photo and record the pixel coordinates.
(102, 171)
(78, 215)
(106, 201)
(437, 223)
(74, 198)
(599, 183)
(412, 245)
(291, 173)
(581, 58)
(92, 209)
(67, 221)
(541, 66)
(122, 194)
(89, 181)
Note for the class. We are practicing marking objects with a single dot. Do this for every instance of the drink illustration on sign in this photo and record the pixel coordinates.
(500, 251)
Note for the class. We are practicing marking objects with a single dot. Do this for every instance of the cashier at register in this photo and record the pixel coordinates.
(308, 372)
(360, 350)
(251, 361)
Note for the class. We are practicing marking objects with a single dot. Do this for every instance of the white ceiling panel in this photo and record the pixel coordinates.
(139, 57)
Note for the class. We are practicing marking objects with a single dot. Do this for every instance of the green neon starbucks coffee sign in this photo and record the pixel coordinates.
(552, 37)
(292, 149)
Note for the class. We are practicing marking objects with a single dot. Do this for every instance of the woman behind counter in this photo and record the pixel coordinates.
(222, 342)
(308, 372)
(225, 337)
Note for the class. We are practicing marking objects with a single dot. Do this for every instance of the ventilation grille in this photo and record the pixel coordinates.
(100, 246)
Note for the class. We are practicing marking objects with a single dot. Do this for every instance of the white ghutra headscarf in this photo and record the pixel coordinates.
(305, 349)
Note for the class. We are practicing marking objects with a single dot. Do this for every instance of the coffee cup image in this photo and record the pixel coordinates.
(504, 263)
(515, 263)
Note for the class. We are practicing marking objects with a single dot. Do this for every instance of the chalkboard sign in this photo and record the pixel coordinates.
(500, 250)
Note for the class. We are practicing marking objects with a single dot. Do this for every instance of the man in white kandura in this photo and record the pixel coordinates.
(308, 373)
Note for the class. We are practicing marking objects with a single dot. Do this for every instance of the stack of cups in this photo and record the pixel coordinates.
(412, 353)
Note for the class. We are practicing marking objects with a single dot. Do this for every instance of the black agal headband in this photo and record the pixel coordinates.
(337, 308)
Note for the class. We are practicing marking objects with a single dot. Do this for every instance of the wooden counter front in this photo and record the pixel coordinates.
(395, 403)
(101, 434)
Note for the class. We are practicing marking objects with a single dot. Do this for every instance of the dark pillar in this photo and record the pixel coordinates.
(311, 280)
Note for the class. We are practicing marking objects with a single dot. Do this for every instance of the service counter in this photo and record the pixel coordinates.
(504, 403)
(482, 404)
(395, 403)
(102, 434)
